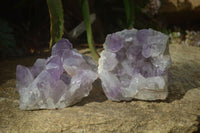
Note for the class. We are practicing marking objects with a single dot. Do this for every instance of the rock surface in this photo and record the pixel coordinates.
(179, 5)
(173, 12)
(179, 113)
(135, 64)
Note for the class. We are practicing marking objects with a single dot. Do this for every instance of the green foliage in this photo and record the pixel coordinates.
(7, 39)
(57, 23)
(86, 16)
(57, 20)
(129, 9)
(113, 12)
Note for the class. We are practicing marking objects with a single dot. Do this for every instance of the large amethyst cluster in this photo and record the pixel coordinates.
(59, 81)
(135, 64)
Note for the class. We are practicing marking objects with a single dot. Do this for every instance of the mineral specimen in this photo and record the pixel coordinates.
(59, 81)
(135, 64)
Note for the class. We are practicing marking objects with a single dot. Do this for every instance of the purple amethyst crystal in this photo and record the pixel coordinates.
(135, 64)
(59, 48)
(59, 81)
(114, 43)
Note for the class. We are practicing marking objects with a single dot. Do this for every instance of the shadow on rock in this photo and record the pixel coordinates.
(182, 78)
(96, 94)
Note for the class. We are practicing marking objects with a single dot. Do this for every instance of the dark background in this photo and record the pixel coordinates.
(25, 24)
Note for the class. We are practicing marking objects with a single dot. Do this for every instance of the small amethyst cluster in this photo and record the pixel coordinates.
(59, 81)
(135, 64)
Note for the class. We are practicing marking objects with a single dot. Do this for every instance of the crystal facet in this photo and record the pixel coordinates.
(59, 81)
(135, 64)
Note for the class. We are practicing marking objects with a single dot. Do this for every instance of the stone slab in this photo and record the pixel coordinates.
(180, 112)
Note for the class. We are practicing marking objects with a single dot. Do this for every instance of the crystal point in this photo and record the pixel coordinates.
(61, 46)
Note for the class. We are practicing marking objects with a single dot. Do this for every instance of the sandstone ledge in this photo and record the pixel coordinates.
(180, 112)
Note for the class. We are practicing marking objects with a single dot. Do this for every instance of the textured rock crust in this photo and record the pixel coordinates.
(179, 113)
(179, 5)
(173, 12)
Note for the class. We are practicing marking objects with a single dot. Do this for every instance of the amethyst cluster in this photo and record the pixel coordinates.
(134, 64)
(59, 81)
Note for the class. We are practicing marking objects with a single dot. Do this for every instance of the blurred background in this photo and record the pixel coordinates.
(25, 24)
